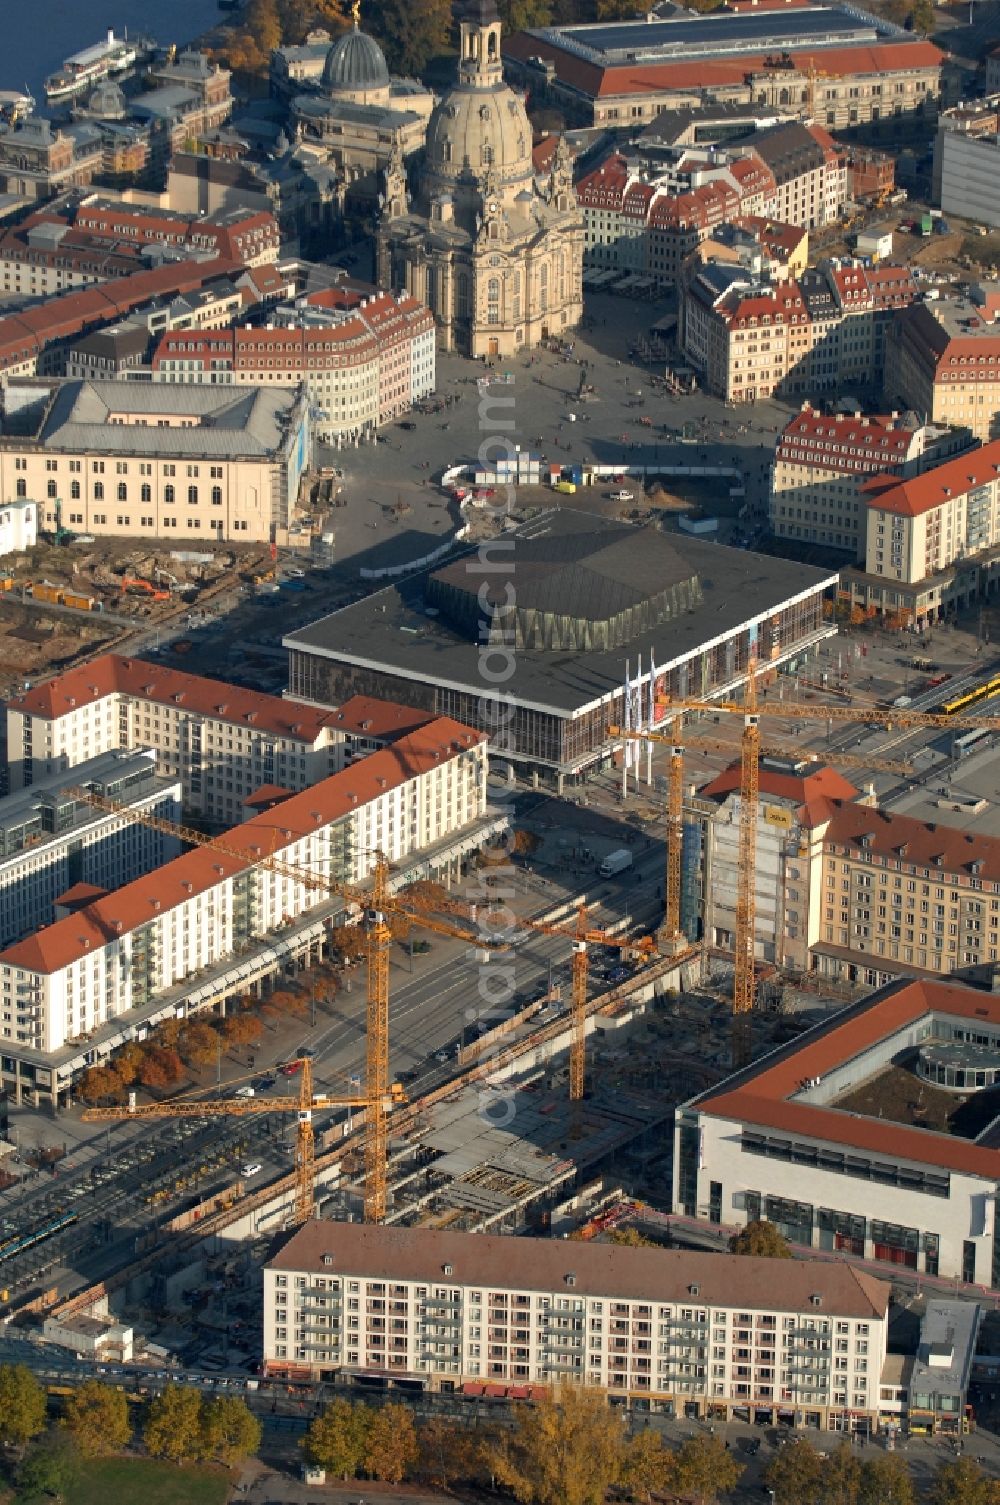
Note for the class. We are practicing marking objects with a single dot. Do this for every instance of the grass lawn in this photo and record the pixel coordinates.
(106, 1480)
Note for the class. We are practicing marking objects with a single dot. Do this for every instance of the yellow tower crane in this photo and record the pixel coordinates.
(304, 1105)
(378, 905)
(751, 712)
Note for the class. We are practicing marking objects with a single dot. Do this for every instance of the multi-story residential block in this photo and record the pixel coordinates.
(847, 890)
(943, 360)
(967, 162)
(821, 464)
(931, 539)
(752, 338)
(808, 170)
(794, 811)
(220, 741)
(94, 242)
(676, 1332)
(133, 458)
(786, 1139)
(124, 959)
(833, 65)
(362, 360)
(50, 841)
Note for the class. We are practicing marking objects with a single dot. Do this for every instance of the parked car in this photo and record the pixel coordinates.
(252, 1168)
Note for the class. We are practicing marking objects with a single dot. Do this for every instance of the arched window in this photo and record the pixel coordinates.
(493, 301)
(22, 486)
(192, 496)
(122, 491)
(491, 47)
(145, 492)
(98, 491)
(74, 491)
(462, 295)
(216, 496)
(543, 286)
(168, 494)
(50, 489)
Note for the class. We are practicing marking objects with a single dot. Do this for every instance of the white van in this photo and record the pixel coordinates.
(622, 496)
(243, 1092)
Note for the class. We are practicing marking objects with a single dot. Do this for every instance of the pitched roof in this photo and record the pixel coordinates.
(918, 843)
(608, 1270)
(112, 674)
(764, 1093)
(805, 789)
(850, 444)
(364, 715)
(920, 494)
(195, 872)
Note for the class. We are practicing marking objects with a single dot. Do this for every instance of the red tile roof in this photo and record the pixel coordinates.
(843, 443)
(764, 1094)
(57, 946)
(365, 716)
(921, 494)
(111, 674)
(916, 843)
(809, 790)
(597, 82)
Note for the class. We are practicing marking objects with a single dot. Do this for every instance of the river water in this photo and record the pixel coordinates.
(36, 35)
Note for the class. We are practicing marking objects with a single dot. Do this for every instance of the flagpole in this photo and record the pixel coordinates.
(649, 744)
(628, 727)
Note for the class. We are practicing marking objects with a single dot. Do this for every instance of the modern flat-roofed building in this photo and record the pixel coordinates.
(831, 64)
(51, 841)
(805, 1138)
(966, 162)
(681, 1333)
(110, 962)
(938, 1391)
(594, 598)
(194, 465)
(222, 742)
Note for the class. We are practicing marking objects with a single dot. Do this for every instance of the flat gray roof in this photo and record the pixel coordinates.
(391, 632)
(628, 42)
(948, 1334)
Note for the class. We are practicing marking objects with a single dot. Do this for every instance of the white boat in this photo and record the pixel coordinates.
(113, 55)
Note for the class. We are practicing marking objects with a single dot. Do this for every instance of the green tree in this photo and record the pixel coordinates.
(840, 1481)
(794, 1473)
(567, 1449)
(706, 1469)
(230, 1431)
(22, 1405)
(50, 1469)
(97, 1418)
(959, 1481)
(762, 1239)
(886, 1481)
(412, 32)
(650, 1467)
(173, 1427)
(336, 1440)
(391, 1448)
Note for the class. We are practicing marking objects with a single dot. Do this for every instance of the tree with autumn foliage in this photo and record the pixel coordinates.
(101, 1084)
(391, 1448)
(568, 1448)
(127, 1061)
(199, 1042)
(762, 1239)
(161, 1068)
(242, 1029)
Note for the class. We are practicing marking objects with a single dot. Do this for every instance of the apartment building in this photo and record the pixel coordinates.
(686, 1334)
(821, 463)
(943, 359)
(192, 464)
(220, 741)
(784, 1139)
(833, 65)
(752, 338)
(94, 241)
(362, 360)
(110, 965)
(50, 841)
(39, 159)
(931, 541)
(807, 168)
(792, 818)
